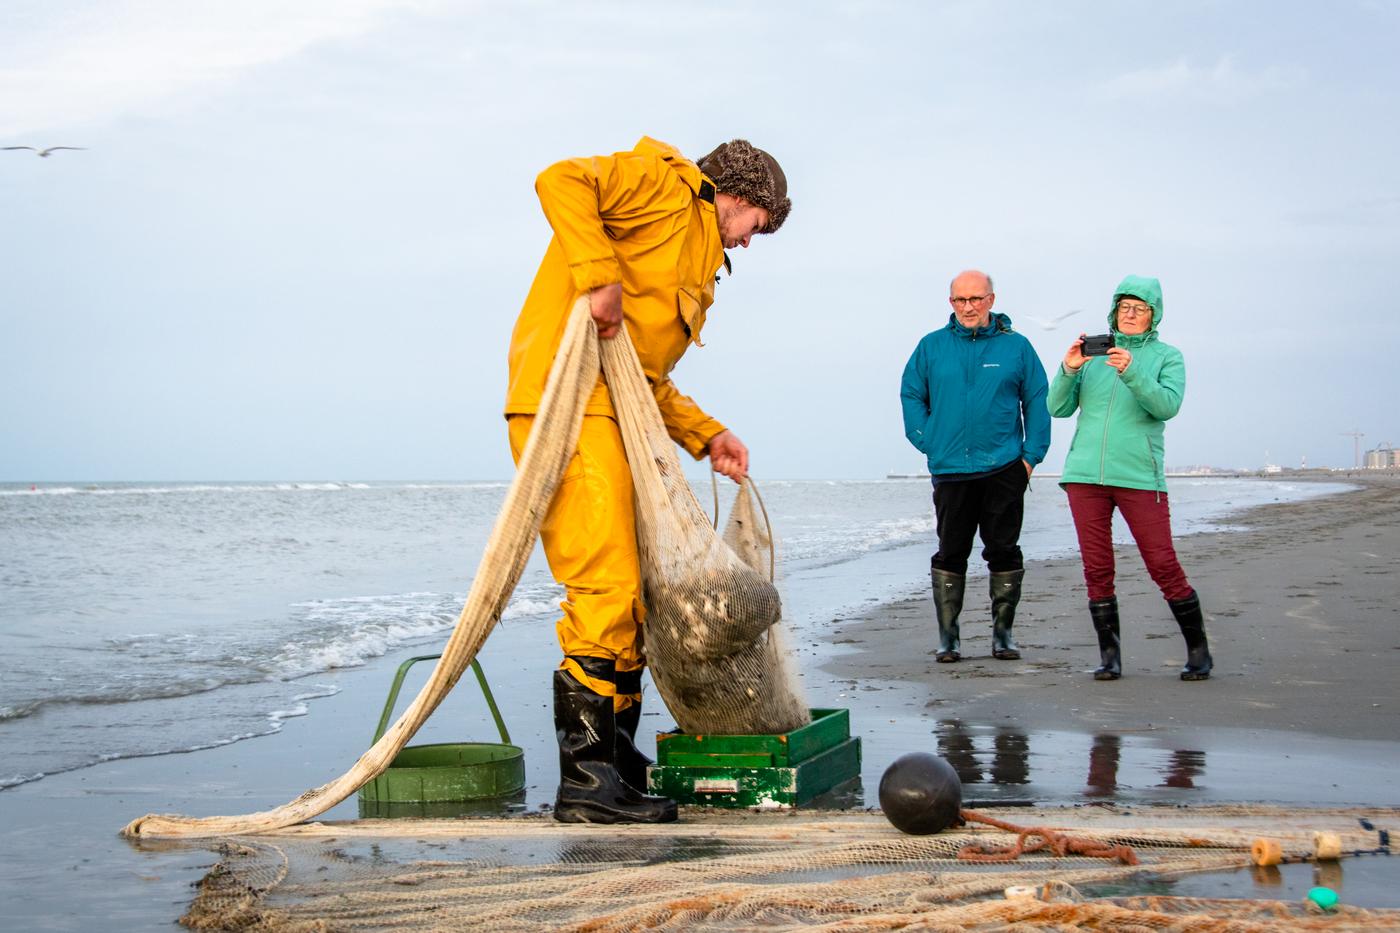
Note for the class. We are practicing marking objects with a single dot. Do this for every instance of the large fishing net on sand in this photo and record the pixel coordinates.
(711, 615)
(802, 870)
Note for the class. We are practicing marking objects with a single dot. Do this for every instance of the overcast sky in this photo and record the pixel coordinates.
(299, 236)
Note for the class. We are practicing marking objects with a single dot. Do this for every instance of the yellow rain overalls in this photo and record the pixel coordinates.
(644, 218)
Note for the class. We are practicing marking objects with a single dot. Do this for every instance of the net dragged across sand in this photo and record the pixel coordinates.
(822, 870)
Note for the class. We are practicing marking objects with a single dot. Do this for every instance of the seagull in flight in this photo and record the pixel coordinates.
(1053, 322)
(43, 153)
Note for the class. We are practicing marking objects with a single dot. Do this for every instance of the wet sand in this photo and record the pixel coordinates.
(1303, 615)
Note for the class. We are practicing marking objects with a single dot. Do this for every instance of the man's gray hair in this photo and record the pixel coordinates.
(991, 289)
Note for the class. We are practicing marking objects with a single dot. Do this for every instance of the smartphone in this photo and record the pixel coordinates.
(1097, 345)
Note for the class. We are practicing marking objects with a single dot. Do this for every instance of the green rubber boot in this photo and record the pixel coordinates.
(947, 603)
(1006, 593)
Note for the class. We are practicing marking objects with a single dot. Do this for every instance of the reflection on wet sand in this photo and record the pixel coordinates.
(1103, 765)
(1007, 761)
(1010, 754)
(1184, 768)
(1328, 875)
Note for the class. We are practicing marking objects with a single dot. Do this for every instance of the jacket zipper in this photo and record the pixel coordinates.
(1103, 448)
(967, 404)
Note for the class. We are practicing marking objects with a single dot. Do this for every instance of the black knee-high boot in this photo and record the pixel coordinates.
(1006, 593)
(1104, 613)
(632, 764)
(590, 788)
(1193, 629)
(947, 603)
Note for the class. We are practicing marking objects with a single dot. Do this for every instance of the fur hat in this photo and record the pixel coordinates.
(745, 171)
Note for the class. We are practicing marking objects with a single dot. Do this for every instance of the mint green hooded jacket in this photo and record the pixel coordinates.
(1118, 437)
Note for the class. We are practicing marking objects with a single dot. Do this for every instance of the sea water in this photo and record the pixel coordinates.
(152, 618)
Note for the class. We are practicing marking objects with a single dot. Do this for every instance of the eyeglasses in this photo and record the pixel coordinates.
(973, 300)
(1134, 310)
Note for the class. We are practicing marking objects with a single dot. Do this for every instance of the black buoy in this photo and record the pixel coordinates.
(921, 794)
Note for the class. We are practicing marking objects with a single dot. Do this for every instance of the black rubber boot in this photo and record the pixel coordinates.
(632, 764)
(590, 788)
(1104, 612)
(947, 603)
(1006, 593)
(1193, 629)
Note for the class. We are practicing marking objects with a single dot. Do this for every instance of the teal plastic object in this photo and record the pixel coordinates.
(1325, 898)
(444, 773)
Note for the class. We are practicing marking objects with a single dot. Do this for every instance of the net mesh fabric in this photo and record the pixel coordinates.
(714, 636)
(739, 871)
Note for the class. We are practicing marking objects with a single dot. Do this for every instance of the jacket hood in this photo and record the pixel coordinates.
(1145, 289)
(998, 324)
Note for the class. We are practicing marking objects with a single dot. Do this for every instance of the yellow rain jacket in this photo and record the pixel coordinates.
(645, 218)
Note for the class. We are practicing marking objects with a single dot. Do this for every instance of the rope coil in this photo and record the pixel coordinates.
(1036, 839)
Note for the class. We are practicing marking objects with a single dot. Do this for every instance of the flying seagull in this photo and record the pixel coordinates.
(1053, 322)
(43, 153)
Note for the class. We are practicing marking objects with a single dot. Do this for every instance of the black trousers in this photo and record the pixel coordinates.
(992, 506)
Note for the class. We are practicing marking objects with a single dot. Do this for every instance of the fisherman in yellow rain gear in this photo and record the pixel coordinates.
(641, 233)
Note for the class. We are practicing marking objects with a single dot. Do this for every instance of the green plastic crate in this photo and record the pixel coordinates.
(765, 771)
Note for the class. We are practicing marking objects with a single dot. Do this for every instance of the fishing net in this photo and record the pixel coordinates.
(811, 870)
(709, 613)
(713, 641)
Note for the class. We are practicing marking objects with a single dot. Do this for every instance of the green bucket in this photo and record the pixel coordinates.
(446, 779)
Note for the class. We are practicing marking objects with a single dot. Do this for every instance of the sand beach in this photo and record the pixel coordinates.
(1303, 615)
(1302, 709)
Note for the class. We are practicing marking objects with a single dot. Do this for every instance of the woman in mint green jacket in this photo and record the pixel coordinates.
(1116, 460)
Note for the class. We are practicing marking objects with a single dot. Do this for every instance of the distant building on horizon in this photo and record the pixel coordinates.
(1383, 457)
(1198, 469)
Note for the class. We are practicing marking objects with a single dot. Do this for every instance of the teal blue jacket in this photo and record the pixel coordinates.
(1118, 439)
(974, 400)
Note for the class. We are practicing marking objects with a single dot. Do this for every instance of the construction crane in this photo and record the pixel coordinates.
(1356, 437)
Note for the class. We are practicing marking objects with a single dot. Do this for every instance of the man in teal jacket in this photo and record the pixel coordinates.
(974, 405)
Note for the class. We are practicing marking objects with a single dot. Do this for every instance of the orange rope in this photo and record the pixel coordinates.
(1034, 839)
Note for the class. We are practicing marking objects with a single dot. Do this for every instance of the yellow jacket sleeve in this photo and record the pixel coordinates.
(685, 422)
(584, 198)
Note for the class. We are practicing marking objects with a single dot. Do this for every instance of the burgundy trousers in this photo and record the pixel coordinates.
(1149, 520)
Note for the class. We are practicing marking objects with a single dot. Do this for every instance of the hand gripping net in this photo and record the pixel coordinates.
(716, 672)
